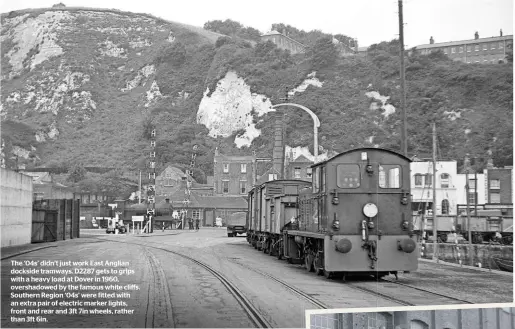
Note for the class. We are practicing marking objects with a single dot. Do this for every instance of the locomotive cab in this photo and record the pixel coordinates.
(357, 216)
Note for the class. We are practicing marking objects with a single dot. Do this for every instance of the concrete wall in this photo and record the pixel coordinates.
(16, 208)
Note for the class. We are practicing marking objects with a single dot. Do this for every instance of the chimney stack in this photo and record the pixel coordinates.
(501, 32)
(167, 200)
(278, 151)
(431, 41)
(476, 35)
(490, 164)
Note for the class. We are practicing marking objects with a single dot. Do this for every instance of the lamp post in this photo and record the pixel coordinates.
(316, 125)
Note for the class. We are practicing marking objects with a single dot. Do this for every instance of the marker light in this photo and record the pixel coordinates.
(363, 156)
(370, 210)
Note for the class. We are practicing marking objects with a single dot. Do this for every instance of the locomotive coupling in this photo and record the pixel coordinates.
(406, 245)
(343, 245)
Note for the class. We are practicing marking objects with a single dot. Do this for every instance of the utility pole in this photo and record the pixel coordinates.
(466, 166)
(139, 198)
(435, 231)
(404, 139)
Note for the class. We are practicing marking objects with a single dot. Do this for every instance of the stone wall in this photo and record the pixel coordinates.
(16, 208)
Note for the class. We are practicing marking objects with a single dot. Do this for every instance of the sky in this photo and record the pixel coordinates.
(370, 21)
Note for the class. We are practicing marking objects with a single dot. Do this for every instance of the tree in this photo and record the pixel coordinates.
(324, 53)
(77, 173)
(148, 126)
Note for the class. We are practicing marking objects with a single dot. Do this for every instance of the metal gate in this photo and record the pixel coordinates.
(54, 220)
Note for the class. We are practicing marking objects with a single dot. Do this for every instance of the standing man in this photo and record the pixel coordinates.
(197, 224)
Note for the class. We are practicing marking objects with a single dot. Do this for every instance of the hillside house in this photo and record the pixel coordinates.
(491, 50)
(284, 42)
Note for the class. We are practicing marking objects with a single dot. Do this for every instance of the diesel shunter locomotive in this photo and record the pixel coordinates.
(353, 219)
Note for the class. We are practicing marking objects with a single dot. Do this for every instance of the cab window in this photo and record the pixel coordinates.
(389, 176)
(316, 180)
(348, 176)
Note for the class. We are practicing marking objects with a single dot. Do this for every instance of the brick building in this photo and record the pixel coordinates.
(299, 168)
(490, 50)
(475, 318)
(498, 184)
(233, 175)
(284, 42)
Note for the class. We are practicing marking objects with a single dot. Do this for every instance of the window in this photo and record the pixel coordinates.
(417, 324)
(308, 172)
(243, 187)
(428, 181)
(485, 46)
(461, 49)
(296, 173)
(445, 50)
(226, 167)
(495, 197)
(348, 176)
(418, 180)
(476, 48)
(501, 45)
(444, 180)
(316, 180)
(495, 184)
(378, 320)
(472, 183)
(243, 168)
(225, 186)
(453, 50)
(472, 197)
(469, 48)
(445, 207)
(272, 176)
(389, 176)
(492, 46)
(196, 214)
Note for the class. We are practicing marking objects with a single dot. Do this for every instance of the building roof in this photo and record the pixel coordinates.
(287, 37)
(465, 42)
(302, 159)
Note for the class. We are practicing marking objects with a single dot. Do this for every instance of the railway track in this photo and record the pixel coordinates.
(253, 313)
(310, 299)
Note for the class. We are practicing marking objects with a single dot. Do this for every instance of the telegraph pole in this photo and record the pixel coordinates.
(435, 231)
(404, 139)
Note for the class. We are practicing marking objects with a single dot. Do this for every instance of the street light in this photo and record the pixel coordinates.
(316, 124)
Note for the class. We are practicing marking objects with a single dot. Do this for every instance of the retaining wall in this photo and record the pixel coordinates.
(470, 254)
(15, 208)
